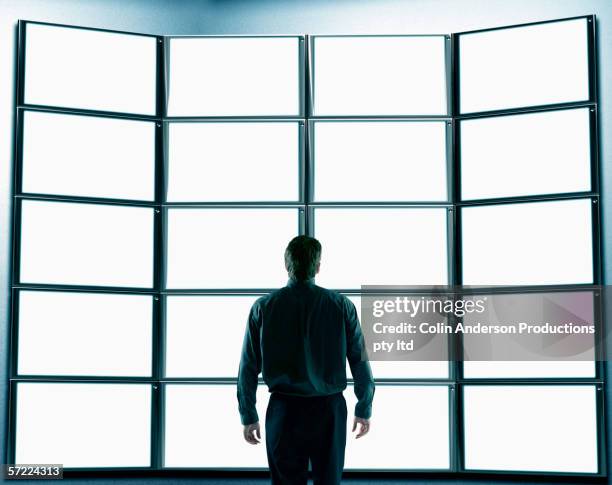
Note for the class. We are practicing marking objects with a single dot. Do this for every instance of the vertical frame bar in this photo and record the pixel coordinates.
(598, 257)
(310, 144)
(14, 335)
(309, 74)
(303, 161)
(158, 274)
(154, 458)
(161, 191)
(160, 86)
(12, 422)
(164, 167)
(20, 75)
(303, 110)
(448, 61)
(592, 53)
(15, 235)
(451, 198)
(452, 427)
(12, 359)
(18, 151)
(311, 221)
(601, 336)
(17, 214)
(164, 72)
(161, 419)
(308, 130)
(602, 460)
(301, 221)
(594, 145)
(455, 249)
(596, 237)
(459, 429)
(451, 285)
(458, 461)
(450, 165)
(157, 375)
(455, 78)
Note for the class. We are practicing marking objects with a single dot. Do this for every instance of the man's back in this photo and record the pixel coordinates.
(300, 338)
(303, 339)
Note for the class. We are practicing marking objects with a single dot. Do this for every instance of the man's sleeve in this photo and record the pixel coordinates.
(358, 362)
(249, 369)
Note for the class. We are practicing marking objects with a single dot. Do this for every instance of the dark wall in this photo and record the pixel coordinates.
(279, 17)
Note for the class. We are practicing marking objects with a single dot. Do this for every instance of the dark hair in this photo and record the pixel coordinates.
(302, 255)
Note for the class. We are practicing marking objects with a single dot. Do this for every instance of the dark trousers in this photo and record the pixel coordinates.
(299, 428)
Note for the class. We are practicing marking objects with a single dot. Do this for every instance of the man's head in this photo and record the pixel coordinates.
(303, 257)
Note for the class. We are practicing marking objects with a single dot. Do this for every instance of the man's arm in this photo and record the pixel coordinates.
(249, 369)
(362, 373)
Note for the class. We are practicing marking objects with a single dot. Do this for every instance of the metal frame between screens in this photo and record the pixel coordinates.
(305, 205)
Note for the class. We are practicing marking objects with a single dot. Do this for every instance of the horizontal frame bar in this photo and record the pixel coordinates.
(528, 198)
(236, 118)
(80, 199)
(79, 27)
(260, 473)
(87, 112)
(232, 36)
(528, 24)
(525, 110)
(233, 205)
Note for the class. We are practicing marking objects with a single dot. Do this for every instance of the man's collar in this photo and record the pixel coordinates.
(295, 282)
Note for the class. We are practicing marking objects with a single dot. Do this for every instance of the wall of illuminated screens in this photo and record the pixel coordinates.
(158, 180)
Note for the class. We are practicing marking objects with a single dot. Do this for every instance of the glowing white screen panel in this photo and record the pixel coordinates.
(229, 248)
(66, 333)
(204, 334)
(531, 428)
(233, 161)
(524, 66)
(234, 76)
(89, 69)
(410, 429)
(528, 369)
(83, 425)
(534, 243)
(379, 75)
(87, 156)
(527, 154)
(203, 429)
(380, 161)
(374, 246)
(86, 244)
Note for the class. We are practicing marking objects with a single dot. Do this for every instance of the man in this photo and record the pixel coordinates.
(300, 338)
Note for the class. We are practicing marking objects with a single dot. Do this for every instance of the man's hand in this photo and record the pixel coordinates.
(251, 433)
(365, 426)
